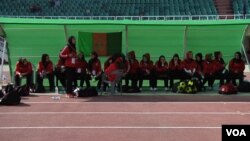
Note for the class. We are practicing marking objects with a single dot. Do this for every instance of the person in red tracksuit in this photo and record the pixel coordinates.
(23, 69)
(199, 61)
(189, 66)
(60, 72)
(113, 67)
(161, 71)
(236, 68)
(69, 55)
(208, 71)
(81, 70)
(146, 71)
(220, 70)
(95, 69)
(132, 69)
(45, 70)
(175, 69)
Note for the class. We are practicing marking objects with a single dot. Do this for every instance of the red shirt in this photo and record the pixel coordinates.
(220, 65)
(96, 66)
(112, 67)
(69, 61)
(82, 65)
(48, 68)
(189, 64)
(174, 67)
(146, 66)
(237, 66)
(208, 67)
(134, 67)
(60, 63)
(21, 68)
(161, 68)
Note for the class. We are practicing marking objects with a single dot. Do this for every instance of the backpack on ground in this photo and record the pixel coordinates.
(13, 97)
(244, 86)
(9, 88)
(228, 89)
(1, 93)
(24, 91)
(87, 92)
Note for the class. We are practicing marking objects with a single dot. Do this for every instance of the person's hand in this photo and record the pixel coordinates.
(70, 55)
(23, 74)
(147, 71)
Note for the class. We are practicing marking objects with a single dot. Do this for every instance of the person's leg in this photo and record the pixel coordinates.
(39, 80)
(141, 76)
(51, 81)
(87, 78)
(17, 80)
(82, 79)
(127, 80)
(69, 80)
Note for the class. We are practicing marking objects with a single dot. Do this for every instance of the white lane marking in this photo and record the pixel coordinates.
(108, 127)
(126, 113)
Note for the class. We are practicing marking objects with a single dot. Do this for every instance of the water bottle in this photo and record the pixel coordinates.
(56, 90)
(56, 96)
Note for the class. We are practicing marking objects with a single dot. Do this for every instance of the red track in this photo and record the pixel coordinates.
(40, 118)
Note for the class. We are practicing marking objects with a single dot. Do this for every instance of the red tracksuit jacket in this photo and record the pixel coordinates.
(21, 68)
(159, 68)
(112, 67)
(134, 67)
(146, 66)
(238, 67)
(189, 64)
(220, 65)
(174, 67)
(208, 67)
(82, 65)
(69, 61)
(49, 67)
(96, 66)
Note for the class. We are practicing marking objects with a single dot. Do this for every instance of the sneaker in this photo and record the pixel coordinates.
(140, 89)
(151, 89)
(166, 88)
(155, 89)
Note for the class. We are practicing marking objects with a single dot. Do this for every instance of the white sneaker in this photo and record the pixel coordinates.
(166, 88)
(155, 89)
(140, 89)
(151, 89)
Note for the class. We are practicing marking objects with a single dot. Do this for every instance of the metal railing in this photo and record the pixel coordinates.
(140, 18)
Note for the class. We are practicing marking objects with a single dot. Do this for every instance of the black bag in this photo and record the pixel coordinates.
(87, 92)
(9, 88)
(175, 87)
(130, 89)
(244, 87)
(1, 94)
(11, 98)
(24, 91)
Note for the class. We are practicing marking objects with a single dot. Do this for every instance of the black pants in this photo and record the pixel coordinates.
(50, 78)
(133, 78)
(70, 78)
(221, 76)
(234, 76)
(143, 75)
(82, 77)
(61, 77)
(208, 78)
(28, 80)
(175, 74)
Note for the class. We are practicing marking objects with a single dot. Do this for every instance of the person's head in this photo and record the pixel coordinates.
(23, 61)
(209, 57)
(198, 57)
(162, 59)
(72, 41)
(81, 56)
(189, 55)
(45, 58)
(217, 55)
(131, 55)
(94, 55)
(176, 57)
(237, 55)
(146, 57)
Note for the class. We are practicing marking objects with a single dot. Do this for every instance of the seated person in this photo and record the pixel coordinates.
(175, 69)
(95, 69)
(60, 72)
(189, 66)
(45, 70)
(23, 69)
(236, 68)
(146, 71)
(161, 71)
(199, 61)
(220, 71)
(81, 70)
(132, 69)
(208, 71)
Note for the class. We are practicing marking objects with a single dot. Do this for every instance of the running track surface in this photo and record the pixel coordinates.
(123, 118)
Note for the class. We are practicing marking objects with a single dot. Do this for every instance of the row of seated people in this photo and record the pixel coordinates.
(72, 66)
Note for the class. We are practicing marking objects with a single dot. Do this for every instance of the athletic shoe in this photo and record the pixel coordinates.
(155, 89)
(140, 89)
(166, 88)
(151, 89)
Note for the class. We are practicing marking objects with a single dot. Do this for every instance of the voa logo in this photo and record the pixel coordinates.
(236, 132)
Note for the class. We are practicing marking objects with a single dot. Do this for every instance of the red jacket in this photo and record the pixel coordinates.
(134, 67)
(95, 66)
(174, 67)
(82, 65)
(189, 64)
(220, 65)
(21, 68)
(159, 68)
(236, 67)
(60, 63)
(112, 67)
(208, 67)
(146, 66)
(69, 61)
(49, 68)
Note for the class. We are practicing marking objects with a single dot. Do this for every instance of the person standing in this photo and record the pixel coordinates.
(69, 55)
